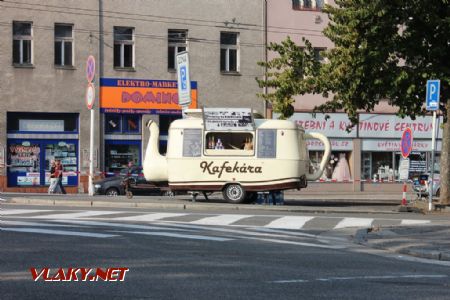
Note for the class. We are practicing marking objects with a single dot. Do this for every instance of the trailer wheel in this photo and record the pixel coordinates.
(234, 193)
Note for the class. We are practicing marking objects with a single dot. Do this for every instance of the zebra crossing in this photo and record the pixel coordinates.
(293, 230)
(266, 221)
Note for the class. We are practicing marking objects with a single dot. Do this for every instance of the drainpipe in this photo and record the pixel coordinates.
(265, 53)
(101, 147)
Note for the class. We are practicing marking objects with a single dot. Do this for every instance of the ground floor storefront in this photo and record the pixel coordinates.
(35, 139)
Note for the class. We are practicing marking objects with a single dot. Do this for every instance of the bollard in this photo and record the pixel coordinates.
(404, 203)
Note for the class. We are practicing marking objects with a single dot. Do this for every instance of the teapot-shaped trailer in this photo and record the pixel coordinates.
(271, 157)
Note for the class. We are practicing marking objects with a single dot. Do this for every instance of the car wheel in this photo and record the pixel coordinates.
(112, 192)
(234, 193)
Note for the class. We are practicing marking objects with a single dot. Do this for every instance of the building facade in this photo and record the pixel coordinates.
(43, 52)
(367, 156)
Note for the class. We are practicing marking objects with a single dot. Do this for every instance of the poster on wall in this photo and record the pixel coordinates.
(224, 119)
(31, 179)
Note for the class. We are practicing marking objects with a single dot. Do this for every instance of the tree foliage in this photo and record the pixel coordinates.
(289, 74)
(384, 50)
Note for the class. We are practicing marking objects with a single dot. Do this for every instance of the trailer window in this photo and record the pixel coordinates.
(229, 143)
(267, 143)
(192, 142)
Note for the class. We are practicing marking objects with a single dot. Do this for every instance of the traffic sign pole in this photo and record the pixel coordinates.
(432, 101)
(90, 99)
(433, 148)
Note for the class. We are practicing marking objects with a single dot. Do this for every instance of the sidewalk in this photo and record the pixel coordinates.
(294, 202)
(431, 242)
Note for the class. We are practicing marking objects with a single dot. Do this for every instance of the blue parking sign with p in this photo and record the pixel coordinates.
(183, 78)
(432, 97)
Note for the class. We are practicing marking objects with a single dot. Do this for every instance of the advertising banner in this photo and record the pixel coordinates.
(391, 126)
(141, 96)
(220, 119)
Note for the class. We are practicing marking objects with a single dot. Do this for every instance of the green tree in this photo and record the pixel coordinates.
(388, 49)
(385, 50)
(289, 74)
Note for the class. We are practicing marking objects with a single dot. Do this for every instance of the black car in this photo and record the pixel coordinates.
(117, 185)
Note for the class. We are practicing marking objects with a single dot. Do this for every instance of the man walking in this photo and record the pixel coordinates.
(59, 171)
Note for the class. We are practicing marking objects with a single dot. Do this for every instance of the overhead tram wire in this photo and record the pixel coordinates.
(233, 25)
(141, 35)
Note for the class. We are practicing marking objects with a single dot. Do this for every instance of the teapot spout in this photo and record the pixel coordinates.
(155, 164)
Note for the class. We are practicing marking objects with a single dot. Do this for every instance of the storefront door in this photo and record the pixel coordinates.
(29, 161)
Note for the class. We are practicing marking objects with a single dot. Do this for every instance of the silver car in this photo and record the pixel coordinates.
(421, 185)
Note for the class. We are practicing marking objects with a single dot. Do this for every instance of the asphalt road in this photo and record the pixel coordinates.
(201, 261)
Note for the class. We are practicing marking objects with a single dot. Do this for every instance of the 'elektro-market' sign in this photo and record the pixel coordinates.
(119, 95)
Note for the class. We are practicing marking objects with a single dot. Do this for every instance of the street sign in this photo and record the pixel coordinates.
(90, 68)
(403, 169)
(184, 82)
(90, 96)
(432, 97)
(406, 142)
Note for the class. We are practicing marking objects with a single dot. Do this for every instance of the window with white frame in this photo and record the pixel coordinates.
(229, 52)
(63, 45)
(307, 4)
(22, 43)
(123, 47)
(177, 43)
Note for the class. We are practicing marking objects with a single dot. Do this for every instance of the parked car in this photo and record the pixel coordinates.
(423, 181)
(117, 185)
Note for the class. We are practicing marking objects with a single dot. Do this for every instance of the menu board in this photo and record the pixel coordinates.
(192, 142)
(225, 119)
(267, 143)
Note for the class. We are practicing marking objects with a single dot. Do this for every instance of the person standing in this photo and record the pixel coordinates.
(53, 179)
(59, 171)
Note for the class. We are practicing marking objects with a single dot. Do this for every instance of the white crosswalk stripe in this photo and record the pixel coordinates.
(76, 215)
(414, 222)
(354, 222)
(220, 220)
(289, 222)
(150, 217)
(5, 212)
(59, 232)
(181, 236)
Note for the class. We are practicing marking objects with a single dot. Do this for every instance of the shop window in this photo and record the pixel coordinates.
(229, 143)
(229, 52)
(177, 43)
(66, 153)
(127, 123)
(63, 45)
(113, 123)
(119, 155)
(42, 122)
(378, 166)
(22, 43)
(307, 4)
(24, 161)
(131, 123)
(123, 47)
(29, 161)
(337, 169)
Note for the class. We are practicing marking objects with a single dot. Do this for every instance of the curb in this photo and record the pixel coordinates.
(189, 205)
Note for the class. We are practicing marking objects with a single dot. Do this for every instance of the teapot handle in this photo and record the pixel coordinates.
(326, 156)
